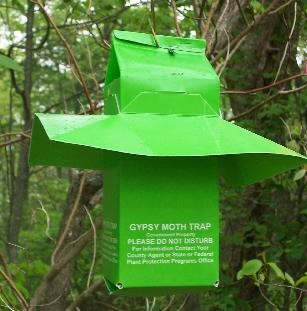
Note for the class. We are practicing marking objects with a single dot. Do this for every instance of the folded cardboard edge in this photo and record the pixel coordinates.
(119, 290)
(49, 152)
(180, 44)
(53, 151)
(172, 103)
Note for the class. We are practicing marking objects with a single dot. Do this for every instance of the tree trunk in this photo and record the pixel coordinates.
(20, 194)
(263, 50)
(192, 303)
(57, 288)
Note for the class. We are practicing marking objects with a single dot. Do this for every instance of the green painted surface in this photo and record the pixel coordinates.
(166, 228)
(162, 146)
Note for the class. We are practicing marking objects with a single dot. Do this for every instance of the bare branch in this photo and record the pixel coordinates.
(245, 31)
(220, 69)
(153, 15)
(7, 298)
(15, 290)
(213, 8)
(200, 17)
(94, 248)
(69, 221)
(267, 100)
(266, 298)
(94, 287)
(281, 7)
(174, 8)
(5, 266)
(45, 37)
(70, 54)
(287, 44)
(17, 133)
(12, 142)
(260, 89)
(242, 13)
(70, 255)
(169, 303)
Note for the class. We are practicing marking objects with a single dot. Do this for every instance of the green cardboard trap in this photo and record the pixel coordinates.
(162, 147)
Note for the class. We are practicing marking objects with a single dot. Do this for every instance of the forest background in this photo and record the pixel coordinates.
(53, 58)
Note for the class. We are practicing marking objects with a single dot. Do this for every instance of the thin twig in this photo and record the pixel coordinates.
(10, 302)
(49, 303)
(285, 285)
(92, 73)
(153, 34)
(287, 44)
(183, 303)
(94, 287)
(16, 245)
(298, 299)
(227, 55)
(12, 142)
(169, 303)
(200, 17)
(174, 8)
(244, 32)
(242, 13)
(94, 248)
(153, 15)
(67, 257)
(6, 305)
(153, 304)
(70, 219)
(47, 220)
(16, 133)
(281, 7)
(266, 298)
(15, 290)
(213, 8)
(287, 126)
(264, 102)
(5, 266)
(216, 27)
(260, 89)
(70, 53)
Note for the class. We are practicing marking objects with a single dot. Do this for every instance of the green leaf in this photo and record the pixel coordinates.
(9, 63)
(289, 278)
(301, 280)
(240, 275)
(299, 174)
(257, 6)
(276, 270)
(251, 267)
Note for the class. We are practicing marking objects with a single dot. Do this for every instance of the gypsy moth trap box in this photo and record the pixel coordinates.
(162, 147)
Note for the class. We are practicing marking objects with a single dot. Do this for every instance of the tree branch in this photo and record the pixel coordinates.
(242, 13)
(70, 219)
(260, 89)
(45, 37)
(174, 8)
(70, 54)
(213, 8)
(68, 256)
(245, 31)
(94, 287)
(15, 290)
(267, 100)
